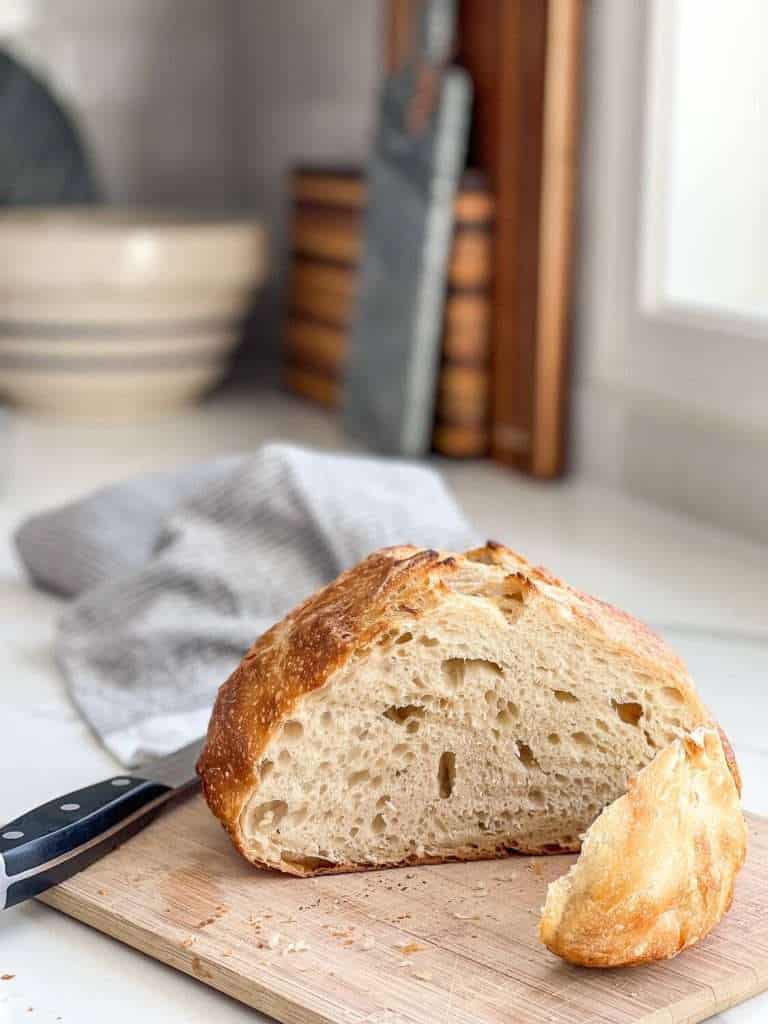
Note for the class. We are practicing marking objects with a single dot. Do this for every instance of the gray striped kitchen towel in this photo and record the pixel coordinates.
(174, 576)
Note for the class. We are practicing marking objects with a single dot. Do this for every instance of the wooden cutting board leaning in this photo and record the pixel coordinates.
(454, 943)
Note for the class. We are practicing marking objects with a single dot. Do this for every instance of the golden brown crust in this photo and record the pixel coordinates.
(730, 758)
(360, 607)
(658, 866)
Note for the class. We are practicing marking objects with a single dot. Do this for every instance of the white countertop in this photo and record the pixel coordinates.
(705, 590)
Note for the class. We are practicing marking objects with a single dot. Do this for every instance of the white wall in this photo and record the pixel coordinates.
(307, 79)
(673, 412)
(150, 82)
(207, 103)
(716, 238)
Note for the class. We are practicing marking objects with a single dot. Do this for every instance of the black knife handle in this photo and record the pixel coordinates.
(59, 838)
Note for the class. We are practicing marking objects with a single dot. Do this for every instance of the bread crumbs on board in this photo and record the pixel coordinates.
(296, 947)
(410, 947)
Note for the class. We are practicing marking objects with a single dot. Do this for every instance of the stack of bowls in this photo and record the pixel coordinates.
(109, 313)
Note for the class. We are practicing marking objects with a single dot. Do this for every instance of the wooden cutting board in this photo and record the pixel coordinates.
(454, 944)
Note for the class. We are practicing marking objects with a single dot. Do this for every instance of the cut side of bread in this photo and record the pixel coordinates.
(657, 867)
(426, 707)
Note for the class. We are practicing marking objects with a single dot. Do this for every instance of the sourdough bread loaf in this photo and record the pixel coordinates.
(657, 867)
(427, 707)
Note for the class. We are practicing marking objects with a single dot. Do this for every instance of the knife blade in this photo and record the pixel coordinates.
(54, 841)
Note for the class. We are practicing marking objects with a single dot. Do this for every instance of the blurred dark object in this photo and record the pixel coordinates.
(524, 60)
(390, 382)
(327, 228)
(42, 158)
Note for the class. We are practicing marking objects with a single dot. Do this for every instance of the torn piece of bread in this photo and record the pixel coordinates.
(657, 868)
(427, 707)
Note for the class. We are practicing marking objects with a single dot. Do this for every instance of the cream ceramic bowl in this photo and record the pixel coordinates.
(118, 313)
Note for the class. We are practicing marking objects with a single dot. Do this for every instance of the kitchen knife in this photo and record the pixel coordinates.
(59, 838)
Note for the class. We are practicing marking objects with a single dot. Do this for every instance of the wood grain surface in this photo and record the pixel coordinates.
(556, 224)
(345, 191)
(455, 943)
(320, 300)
